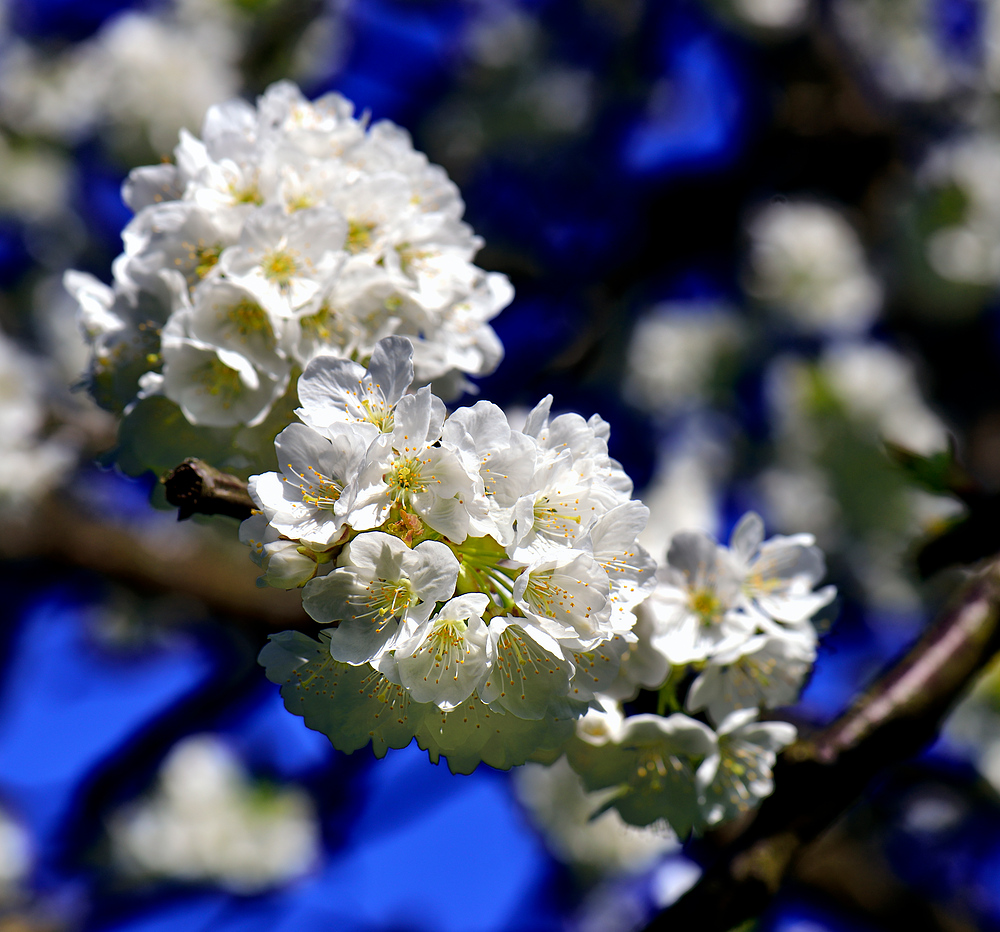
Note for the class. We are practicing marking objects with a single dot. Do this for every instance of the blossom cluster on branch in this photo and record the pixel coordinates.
(480, 582)
(481, 578)
(485, 585)
(727, 633)
(289, 230)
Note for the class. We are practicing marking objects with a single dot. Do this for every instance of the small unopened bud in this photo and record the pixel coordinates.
(287, 565)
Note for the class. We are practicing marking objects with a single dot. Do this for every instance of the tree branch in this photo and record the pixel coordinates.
(195, 487)
(202, 567)
(818, 778)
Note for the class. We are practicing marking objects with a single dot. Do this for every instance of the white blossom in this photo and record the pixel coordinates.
(567, 594)
(282, 260)
(147, 74)
(287, 564)
(500, 460)
(561, 806)
(779, 574)
(213, 386)
(738, 774)
(966, 249)
(302, 503)
(378, 583)
(776, 15)
(879, 385)
(337, 391)
(697, 604)
(206, 822)
(406, 469)
(900, 44)
(16, 857)
(651, 764)
(807, 263)
(598, 726)
(443, 659)
(674, 351)
(528, 671)
(31, 462)
(765, 671)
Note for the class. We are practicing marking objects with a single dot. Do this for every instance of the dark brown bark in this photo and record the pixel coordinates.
(195, 487)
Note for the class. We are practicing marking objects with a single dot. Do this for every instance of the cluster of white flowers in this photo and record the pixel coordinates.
(807, 264)
(482, 587)
(145, 73)
(288, 231)
(738, 617)
(481, 579)
(485, 582)
(208, 822)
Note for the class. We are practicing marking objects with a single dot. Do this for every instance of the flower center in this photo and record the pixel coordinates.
(248, 194)
(658, 769)
(446, 637)
(280, 267)
(377, 413)
(203, 258)
(248, 317)
(219, 379)
(544, 595)
(706, 604)
(405, 479)
(554, 516)
(320, 491)
(359, 236)
(325, 326)
(391, 597)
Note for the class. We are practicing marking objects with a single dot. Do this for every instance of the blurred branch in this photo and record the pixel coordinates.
(819, 778)
(195, 487)
(201, 569)
(847, 866)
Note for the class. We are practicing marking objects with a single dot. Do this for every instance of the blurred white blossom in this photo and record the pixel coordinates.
(150, 73)
(674, 351)
(778, 15)
(15, 857)
(807, 264)
(830, 414)
(875, 385)
(967, 250)
(31, 463)
(207, 822)
(559, 804)
(906, 50)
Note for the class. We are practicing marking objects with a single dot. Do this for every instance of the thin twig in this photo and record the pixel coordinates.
(195, 487)
(819, 778)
